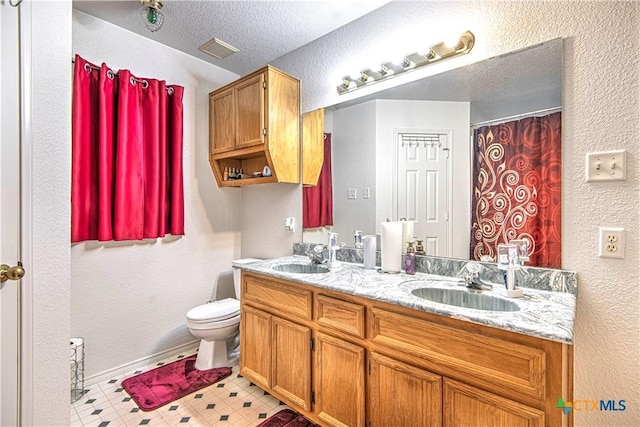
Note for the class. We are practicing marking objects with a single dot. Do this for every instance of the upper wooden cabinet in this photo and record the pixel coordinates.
(255, 122)
(312, 146)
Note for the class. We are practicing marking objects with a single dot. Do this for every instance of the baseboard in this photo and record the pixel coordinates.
(122, 369)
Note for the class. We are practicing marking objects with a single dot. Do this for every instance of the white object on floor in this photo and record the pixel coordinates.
(214, 323)
(217, 325)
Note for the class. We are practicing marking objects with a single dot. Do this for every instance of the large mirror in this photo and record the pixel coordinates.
(410, 152)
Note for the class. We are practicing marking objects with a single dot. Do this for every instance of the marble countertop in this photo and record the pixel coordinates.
(543, 314)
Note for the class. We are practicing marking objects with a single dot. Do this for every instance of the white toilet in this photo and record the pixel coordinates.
(217, 324)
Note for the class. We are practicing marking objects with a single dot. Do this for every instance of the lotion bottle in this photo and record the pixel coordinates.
(410, 259)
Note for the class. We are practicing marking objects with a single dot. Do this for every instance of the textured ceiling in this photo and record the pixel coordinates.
(262, 30)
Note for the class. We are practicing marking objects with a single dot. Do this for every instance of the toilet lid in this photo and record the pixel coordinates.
(216, 310)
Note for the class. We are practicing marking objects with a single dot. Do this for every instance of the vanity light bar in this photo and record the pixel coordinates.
(436, 53)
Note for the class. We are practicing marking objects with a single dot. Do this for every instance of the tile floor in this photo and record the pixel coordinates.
(231, 402)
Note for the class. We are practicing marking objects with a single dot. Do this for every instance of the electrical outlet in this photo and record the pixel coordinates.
(352, 193)
(611, 243)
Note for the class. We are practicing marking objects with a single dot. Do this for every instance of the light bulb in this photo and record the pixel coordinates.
(152, 15)
(452, 41)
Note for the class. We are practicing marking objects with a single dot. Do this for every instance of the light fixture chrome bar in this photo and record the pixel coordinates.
(387, 70)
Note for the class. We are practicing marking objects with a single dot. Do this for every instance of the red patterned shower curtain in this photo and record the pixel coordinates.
(126, 156)
(317, 202)
(517, 179)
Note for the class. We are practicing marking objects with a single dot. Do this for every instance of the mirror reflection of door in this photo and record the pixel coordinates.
(422, 190)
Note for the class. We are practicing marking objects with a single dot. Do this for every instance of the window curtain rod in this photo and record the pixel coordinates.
(112, 74)
(517, 116)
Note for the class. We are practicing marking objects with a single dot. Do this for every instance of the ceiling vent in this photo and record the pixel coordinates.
(218, 48)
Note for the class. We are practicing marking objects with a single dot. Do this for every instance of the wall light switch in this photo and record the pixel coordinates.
(352, 193)
(607, 166)
(611, 244)
(366, 193)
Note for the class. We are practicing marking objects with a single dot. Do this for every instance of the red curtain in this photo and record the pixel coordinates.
(317, 202)
(126, 156)
(517, 180)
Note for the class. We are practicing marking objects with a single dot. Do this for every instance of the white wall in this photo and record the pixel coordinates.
(601, 111)
(129, 299)
(49, 269)
(264, 209)
(353, 142)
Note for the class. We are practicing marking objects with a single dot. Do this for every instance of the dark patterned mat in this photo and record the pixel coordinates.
(286, 418)
(159, 386)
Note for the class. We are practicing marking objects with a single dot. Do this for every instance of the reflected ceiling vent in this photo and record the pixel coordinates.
(218, 48)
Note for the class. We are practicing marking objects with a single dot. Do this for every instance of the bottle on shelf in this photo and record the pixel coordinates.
(357, 239)
(410, 259)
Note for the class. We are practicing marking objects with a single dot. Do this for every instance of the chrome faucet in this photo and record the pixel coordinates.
(317, 253)
(316, 256)
(472, 279)
(475, 283)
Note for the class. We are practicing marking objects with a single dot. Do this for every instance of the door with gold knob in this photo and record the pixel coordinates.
(10, 270)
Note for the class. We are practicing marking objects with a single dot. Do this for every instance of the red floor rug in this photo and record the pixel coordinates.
(159, 386)
(286, 418)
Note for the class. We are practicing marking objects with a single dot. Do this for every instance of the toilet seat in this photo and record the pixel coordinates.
(214, 311)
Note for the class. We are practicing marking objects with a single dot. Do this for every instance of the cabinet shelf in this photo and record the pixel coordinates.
(255, 122)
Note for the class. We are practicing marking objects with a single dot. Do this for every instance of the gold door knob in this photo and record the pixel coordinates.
(11, 273)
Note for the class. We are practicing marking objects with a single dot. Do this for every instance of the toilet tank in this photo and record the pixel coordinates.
(236, 272)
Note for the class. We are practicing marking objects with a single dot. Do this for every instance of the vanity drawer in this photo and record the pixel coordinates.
(485, 360)
(280, 297)
(340, 315)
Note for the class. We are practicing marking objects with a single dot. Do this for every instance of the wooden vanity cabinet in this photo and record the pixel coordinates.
(465, 405)
(255, 341)
(339, 381)
(283, 349)
(255, 122)
(342, 360)
(403, 395)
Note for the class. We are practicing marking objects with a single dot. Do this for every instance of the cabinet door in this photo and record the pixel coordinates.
(465, 406)
(339, 382)
(222, 130)
(403, 395)
(255, 346)
(291, 355)
(312, 146)
(250, 112)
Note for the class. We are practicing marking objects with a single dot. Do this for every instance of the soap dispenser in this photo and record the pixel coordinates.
(333, 247)
(509, 264)
(419, 248)
(410, 259)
